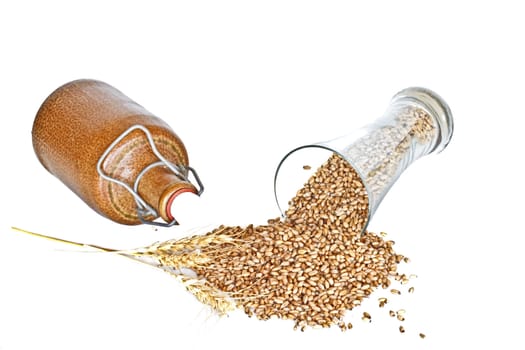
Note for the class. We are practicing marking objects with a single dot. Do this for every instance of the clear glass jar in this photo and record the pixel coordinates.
(417, 122)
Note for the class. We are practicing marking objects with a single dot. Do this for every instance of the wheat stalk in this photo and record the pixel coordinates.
(176, 257)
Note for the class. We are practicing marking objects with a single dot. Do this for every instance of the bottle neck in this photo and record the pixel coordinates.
(437, 109)
(159, 187)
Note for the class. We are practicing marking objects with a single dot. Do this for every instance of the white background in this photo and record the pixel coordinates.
(243, 82)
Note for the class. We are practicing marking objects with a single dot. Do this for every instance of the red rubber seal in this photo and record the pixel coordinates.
(173, 196)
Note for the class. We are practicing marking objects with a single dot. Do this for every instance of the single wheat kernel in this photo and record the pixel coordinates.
(411, 290)
(401, 329)
(422, 335)
(395, 291)
(307, 167)
(382, 302)
(366, 317)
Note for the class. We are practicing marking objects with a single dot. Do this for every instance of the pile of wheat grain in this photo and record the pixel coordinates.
(311, 267)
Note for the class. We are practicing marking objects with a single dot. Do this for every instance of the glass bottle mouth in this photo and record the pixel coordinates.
(298, 166)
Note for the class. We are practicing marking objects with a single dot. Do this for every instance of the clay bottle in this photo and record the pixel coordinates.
(124, 162)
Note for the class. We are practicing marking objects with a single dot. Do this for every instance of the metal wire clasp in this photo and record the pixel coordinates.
(143, 208)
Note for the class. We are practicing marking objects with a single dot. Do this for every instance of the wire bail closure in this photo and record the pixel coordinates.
(143, 208)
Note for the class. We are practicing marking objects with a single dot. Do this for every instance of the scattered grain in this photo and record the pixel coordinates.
(382, 302)
(311, 267)
(318, 262)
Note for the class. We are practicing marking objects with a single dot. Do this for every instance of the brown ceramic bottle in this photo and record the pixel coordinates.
(124, 162)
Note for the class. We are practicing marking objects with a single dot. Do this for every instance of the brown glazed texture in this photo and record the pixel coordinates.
(77, 123)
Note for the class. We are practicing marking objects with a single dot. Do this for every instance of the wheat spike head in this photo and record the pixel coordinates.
(177, 257)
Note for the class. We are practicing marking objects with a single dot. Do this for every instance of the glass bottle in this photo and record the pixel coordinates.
(417, 122)
(124, 162)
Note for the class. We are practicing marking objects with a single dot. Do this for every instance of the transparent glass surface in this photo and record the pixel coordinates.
(416, 123)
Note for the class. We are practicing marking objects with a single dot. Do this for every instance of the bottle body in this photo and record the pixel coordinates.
(417, 122)
(78, 123)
